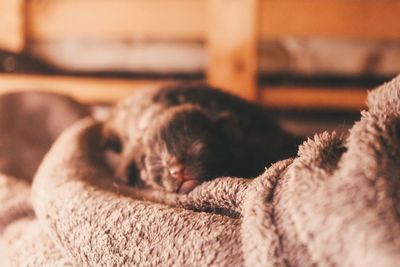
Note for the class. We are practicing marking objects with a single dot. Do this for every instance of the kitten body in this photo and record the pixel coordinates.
(175, 137)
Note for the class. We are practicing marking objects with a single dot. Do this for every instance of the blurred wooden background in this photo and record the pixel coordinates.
(290, 54)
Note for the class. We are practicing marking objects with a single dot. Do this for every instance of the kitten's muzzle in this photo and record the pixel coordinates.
(184, 181)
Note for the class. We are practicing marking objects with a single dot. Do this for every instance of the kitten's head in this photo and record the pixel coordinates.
(184, 148)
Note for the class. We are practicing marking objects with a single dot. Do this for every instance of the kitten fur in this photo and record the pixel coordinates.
(175, 137)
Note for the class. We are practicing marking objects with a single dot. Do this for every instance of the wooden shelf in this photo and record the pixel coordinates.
(189, 19)
(232, 31)
(313, 98)
(109, 90)
(87, 90)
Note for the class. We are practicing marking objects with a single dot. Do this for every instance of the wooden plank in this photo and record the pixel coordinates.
(116, 19)
(108, 90)
(232, 40)
(331, 18)
(177, 19)
(313, 98)
(12, 34)
(87, 90)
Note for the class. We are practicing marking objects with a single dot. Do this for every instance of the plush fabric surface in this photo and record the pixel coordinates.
(335, 204)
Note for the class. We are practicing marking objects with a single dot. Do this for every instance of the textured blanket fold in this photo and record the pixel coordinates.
(335, 204)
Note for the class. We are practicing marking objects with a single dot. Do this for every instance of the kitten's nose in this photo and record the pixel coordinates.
(177, 171)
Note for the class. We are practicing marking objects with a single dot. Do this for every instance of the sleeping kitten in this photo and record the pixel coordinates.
(186, 146)
(175, 137)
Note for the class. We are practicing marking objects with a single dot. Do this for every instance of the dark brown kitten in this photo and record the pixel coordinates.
(175, 137)
(185, 147)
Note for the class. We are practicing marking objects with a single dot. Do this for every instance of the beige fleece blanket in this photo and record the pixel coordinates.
(335, 204)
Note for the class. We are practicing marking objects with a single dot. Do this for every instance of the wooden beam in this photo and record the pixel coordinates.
(313, 98)
(108, 90)
(116, 19)
(177, 19)
(331, 18)
(12, 22)
(232, 40)
(87, 90)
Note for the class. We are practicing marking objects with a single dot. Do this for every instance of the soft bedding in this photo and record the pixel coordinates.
(335, 204)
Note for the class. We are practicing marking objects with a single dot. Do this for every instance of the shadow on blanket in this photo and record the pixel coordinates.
(336, 203)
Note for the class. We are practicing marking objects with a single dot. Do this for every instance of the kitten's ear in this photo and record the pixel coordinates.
(229, 124)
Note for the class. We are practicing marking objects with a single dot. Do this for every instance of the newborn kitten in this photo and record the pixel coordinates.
(185, 147)
(173, 138)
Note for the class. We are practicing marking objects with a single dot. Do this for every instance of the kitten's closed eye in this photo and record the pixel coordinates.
(156, 167)
(196, 148)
